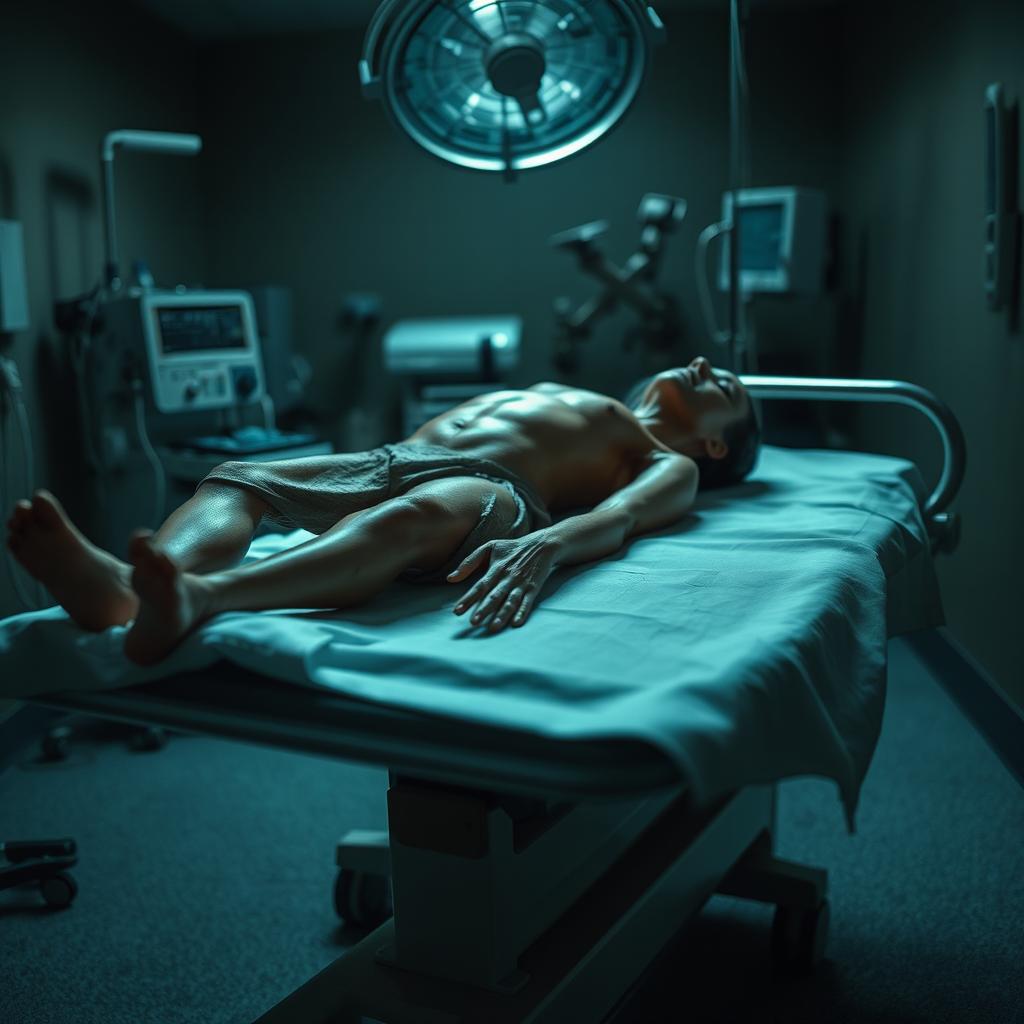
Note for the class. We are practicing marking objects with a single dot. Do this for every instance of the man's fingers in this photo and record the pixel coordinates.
(488, 605)
(474, 594)
(524, 608)
(468, 564)
(506, 611)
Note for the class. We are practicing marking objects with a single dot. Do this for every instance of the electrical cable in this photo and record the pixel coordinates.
(160, 476)
(11, 385)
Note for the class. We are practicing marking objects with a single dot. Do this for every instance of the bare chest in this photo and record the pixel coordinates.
(576, 447)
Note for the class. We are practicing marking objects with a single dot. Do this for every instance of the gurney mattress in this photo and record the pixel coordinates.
(747, 643)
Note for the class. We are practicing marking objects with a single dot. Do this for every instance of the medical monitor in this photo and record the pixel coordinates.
(782, 240)
(196, 328)
(202, 348)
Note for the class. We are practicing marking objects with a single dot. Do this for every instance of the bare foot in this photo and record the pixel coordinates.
(89, 583)
(171, 602)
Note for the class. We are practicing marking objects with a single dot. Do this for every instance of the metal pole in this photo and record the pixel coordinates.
(737, 129)
(111, 272)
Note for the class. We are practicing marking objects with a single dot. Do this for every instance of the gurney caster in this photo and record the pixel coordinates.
(799, 937)
(362, 890)
(800, 927)
(362, 899)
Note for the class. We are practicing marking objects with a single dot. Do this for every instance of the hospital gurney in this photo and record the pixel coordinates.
(542, 855)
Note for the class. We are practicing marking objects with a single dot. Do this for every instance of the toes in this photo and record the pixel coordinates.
(21, 516)
(165, 564)
(46, 509)
(139, 546)
(145, 554)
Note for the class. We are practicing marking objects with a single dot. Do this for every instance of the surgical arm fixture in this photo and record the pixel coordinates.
(633, 284)
(943, 526)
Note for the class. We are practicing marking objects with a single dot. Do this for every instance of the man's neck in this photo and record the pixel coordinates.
(667, 433)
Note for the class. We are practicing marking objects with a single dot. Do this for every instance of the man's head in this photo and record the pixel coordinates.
(705, 413)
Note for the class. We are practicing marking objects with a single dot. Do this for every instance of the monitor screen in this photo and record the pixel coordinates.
(761, 236)
(200, 328)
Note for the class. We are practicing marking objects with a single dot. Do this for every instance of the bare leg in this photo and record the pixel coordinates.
(213, 529)
(346, 565)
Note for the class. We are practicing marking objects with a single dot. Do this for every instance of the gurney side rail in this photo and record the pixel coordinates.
(943, 527)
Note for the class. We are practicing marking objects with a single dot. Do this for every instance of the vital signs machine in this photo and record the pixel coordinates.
(170, 382)
(197, 350)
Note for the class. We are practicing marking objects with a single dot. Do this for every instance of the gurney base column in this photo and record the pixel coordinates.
(762, 876)
(471, 893)
(800, 928)
(583, 964)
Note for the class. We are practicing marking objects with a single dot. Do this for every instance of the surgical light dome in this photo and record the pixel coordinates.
(507, 85)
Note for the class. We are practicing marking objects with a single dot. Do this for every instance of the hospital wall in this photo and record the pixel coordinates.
(912, 202)
(309, 185)
(69, 72)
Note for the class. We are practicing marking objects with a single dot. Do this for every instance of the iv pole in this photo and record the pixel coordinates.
(739, 178)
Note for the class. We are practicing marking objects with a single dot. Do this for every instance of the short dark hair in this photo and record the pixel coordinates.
(743, 438)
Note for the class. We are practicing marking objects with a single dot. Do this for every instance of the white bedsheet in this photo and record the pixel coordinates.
(748, 642)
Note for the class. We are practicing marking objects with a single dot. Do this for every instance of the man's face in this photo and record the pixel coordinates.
(701, 399)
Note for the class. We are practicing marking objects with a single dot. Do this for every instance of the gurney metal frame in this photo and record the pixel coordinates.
(542, 891)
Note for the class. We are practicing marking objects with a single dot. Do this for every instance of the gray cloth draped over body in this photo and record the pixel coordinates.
(313, 493)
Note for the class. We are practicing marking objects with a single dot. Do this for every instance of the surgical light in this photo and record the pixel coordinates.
(507, 85)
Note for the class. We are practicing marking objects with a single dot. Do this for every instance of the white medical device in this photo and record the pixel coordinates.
(443, 362)
(782, 234)
(479, 347)
(1001, 219)
(201, 347)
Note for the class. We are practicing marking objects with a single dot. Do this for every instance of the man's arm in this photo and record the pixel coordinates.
(516, 570)
(660, 495)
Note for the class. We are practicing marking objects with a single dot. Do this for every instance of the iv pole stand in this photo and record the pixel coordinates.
(738, 175)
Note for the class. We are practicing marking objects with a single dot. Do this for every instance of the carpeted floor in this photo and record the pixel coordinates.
(206, 873)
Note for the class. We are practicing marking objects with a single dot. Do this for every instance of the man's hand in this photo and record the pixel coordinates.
(517, 570)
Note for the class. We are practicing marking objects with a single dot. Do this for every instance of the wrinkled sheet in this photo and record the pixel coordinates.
(748, 642)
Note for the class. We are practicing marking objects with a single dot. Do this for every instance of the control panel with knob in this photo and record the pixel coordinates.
(202, 347)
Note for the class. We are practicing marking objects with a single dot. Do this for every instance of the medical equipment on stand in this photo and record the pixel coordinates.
(443, 362)
(507, 87)
(634, 284)
(1002, 219)
(165, 374)
(44, 863)
(782, 235)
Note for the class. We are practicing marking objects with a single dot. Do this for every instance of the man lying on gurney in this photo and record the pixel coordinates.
(472, 489)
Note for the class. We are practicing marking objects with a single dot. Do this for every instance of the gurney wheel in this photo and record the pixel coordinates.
(59, 890)
(362, 899)
(798, 938)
